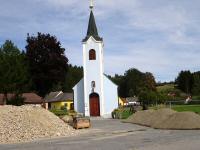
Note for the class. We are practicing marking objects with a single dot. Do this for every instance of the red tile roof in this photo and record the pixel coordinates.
(2, 97)
(32, 98)
(29, 98)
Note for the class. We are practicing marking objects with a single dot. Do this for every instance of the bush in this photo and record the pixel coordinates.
(122, 113)
(72, 113)
(63, 108)
(59, 112)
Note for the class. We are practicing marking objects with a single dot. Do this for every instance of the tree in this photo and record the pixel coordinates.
(196, 84)
(73, 76)
(184, 81)
(47, 62)
(13, 69)
(133, 82)
(150, 82)
(120, 81)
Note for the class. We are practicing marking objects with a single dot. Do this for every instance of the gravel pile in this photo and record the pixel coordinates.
(27, 123)
(166, 119)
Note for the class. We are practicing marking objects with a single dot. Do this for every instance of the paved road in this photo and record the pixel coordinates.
(114, 135)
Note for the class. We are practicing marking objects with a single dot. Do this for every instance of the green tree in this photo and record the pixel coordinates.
(150, 82)
(73, 76)
(196, 85)
(148, 97)
(13, 69)
(184, 81)
(120, 81)
(133, 82)
(47, 62)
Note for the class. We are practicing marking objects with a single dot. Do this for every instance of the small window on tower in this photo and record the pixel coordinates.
(93, 84)
(92, 54)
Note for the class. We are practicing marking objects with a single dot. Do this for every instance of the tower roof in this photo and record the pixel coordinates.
(92, 29)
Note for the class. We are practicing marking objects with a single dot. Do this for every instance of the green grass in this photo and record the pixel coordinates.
(122, 113)
(165, 87)
(59, 112)
(126, 114)
(192, 108)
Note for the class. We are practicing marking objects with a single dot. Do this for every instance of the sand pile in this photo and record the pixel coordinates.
(26, 123)
(166, 119)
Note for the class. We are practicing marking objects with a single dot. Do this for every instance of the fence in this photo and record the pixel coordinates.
(170, 104)
(192, 105)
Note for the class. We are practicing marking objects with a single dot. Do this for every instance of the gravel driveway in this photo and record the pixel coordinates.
(108, 134)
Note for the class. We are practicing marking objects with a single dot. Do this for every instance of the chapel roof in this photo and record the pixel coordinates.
(92, 29)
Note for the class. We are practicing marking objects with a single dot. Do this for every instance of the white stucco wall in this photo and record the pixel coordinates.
(79, 97)
(93, 71)
(110, 97)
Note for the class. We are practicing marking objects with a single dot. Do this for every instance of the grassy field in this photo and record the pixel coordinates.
(180, 108)
(192, 108)
(166, 87)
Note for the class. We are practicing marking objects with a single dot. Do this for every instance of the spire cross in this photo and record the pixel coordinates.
(91, 4)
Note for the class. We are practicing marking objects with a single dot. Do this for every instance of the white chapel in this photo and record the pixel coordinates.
(95, 94)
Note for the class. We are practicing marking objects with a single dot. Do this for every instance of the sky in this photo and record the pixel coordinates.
(157, 36)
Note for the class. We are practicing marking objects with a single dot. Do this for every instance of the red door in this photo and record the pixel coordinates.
(94, 105)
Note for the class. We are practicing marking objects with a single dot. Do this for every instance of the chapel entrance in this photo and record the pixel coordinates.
(94, 105)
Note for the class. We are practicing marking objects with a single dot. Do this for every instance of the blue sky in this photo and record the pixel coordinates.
(158, 36)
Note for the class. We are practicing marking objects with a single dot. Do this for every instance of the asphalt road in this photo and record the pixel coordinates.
(114, 135)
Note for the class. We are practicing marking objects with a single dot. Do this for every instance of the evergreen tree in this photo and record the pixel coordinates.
(184, 81)
(13, 70)
(73, 76)
(196, 85)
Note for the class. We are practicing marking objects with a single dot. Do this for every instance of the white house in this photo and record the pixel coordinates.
(95, 94)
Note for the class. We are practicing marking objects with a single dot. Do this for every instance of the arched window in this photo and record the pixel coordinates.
(92, 54)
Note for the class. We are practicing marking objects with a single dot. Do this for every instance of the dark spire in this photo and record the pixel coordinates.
(92, 29)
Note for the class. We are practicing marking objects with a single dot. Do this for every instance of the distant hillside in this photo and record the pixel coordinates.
(171, 90)
(166, 88)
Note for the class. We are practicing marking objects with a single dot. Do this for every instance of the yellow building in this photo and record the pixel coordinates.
(60, 100)
(68, 104)
(122, 101)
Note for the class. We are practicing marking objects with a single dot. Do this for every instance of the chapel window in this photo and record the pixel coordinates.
(92, 54)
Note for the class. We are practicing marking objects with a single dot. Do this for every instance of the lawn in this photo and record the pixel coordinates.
(192, 108)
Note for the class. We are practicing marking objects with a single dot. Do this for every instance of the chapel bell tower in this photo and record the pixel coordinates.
(93, 69)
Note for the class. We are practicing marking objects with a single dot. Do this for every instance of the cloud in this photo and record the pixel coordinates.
(162, 37)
